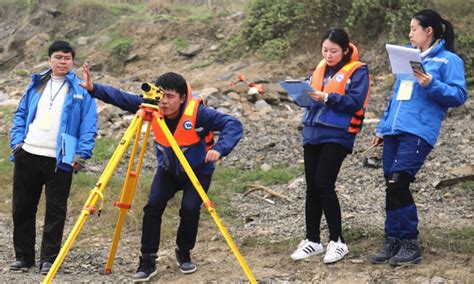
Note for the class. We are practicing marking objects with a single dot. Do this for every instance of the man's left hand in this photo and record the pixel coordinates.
(212, 156)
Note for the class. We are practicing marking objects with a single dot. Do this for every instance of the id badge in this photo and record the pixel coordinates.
(405, 90)
(45, 121)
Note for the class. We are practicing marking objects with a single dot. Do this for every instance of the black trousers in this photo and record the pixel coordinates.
(322, 164)
(164, 187)
(30, 173)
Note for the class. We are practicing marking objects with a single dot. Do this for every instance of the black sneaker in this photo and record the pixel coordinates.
(45, 267)
(392, 245)
(409, 253)
(183, 258)
(146, 269)
(20, 266)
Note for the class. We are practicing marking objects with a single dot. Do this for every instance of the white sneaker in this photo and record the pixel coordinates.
(307, 248)
(335, 251)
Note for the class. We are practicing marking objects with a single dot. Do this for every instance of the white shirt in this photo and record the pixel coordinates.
(42, 136)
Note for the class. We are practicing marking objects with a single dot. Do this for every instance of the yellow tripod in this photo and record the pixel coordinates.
(148, 111)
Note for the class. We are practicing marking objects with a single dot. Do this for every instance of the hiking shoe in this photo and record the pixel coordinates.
(307, 248)
(335, 251)
(183, 259)
(20, 266)
(146, 269)
(391, 247)
(409, 253)
(45, 267)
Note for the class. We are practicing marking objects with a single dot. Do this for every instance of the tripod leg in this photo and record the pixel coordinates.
(207, 203)
(94, 195)
(128, 191)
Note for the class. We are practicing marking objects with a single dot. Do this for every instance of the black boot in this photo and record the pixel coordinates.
(183, 258)
(392, 245)
(409, 253)
(146, 269)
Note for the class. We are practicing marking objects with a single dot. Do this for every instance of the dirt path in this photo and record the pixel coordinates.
(270, 264)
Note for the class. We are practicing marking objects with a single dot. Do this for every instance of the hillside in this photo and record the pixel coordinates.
(211, 43)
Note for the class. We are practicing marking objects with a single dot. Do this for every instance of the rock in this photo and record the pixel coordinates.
(262, 105)
(265, 167)
(234, 96)
(83, 40)
(437, 280)
(191, 51)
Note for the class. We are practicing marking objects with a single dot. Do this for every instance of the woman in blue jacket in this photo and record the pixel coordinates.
(410, 126)
(331, 122)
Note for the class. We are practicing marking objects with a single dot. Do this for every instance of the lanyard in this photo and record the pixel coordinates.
(51, 97)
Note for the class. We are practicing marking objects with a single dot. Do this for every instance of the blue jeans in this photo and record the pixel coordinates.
(403, 157)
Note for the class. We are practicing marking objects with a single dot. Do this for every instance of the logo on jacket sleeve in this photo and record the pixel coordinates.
(187, 124)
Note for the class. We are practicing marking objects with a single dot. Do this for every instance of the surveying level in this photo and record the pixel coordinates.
(151, 93)
(148, 111)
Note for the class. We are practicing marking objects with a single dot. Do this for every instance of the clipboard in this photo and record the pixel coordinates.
(298, 90)
(69, 144)
(402, 59)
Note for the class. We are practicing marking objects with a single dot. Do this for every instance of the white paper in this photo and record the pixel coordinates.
(400, 58)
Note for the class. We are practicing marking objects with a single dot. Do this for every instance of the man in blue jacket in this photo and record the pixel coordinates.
(53, 133)
(192, 124)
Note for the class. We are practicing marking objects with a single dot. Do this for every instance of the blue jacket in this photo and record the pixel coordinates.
(328, 122)
(78, 119)
(423, 114)
(207, 118)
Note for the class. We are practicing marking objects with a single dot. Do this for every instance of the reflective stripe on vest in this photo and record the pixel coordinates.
(337, 84)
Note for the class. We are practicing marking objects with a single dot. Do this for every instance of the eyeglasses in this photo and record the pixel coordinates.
(62, 58)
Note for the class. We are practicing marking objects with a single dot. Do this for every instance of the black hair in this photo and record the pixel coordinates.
(173, 81)
(430, 18)
(60, 45)
(339, 37)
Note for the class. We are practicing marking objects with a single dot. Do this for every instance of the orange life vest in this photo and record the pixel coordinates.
(185, 133)
(337, 84)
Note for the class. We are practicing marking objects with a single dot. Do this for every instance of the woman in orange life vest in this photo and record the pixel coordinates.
(331, 122)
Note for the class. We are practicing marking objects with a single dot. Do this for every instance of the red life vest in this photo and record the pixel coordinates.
(185, 133)
(337, 84)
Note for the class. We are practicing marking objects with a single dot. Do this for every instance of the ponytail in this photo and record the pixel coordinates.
(442, 29)
(448, 35)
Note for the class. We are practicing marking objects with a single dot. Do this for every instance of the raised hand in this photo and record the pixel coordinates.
(86, 77)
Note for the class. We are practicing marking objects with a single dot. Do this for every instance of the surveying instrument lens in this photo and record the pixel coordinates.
(152, 94)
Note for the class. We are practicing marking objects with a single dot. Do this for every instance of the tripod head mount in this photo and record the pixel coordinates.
(152, 94)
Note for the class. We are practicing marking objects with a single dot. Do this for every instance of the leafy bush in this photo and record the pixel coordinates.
(120, 47)
(274, 49)
(383, 17)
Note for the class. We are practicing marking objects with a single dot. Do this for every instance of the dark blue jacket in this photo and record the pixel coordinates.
(322, 122)
(229, 127)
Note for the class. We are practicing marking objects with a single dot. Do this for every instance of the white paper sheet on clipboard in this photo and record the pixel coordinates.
(400, 58)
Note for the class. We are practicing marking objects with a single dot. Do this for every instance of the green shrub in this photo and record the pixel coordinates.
(180, 43)
(120, 47)
(274, 49)
(21, 72)
(383, 17)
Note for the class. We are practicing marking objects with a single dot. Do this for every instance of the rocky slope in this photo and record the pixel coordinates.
(272, 137)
